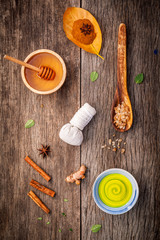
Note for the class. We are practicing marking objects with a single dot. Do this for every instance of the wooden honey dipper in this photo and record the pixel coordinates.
(43, 72)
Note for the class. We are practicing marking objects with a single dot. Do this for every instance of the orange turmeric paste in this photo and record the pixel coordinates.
(83, 31)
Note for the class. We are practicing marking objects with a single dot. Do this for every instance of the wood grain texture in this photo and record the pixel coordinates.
(27, 26)
(30, 25)
(142, 149)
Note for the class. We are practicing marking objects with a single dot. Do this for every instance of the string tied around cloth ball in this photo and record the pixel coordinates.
(71, 133)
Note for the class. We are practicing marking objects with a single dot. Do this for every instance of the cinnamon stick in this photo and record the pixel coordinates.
(37, 168)
(42, 188)
(33, 196)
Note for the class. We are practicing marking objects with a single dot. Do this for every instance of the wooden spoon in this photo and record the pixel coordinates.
(43, 72)
(121, 94)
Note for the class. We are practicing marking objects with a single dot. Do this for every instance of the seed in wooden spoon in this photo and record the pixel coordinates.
(121, 116)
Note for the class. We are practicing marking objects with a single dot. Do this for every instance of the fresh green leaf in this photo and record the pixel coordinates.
(40, 218)
(71, 229)
(65, 200)
(63, 214)
(59, 230)
(30, 123)
(139, 78)
(96, 228)
(93, 76)
(48, 223)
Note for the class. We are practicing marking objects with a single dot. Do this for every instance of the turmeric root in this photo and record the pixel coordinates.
(75, 177)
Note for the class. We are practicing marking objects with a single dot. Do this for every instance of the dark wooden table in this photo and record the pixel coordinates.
(30, 25)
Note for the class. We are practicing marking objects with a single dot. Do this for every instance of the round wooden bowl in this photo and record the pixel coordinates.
(63, 76)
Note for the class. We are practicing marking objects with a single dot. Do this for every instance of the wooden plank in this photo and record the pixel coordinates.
(141, 157)
(27, 26)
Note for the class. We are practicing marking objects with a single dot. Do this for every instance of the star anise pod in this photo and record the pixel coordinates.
(86, 29)
(44, 150)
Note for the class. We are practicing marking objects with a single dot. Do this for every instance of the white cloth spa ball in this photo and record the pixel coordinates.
(71, 133)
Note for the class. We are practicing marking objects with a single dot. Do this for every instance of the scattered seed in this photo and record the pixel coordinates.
(104, 146)
(114, 149)
(115, 145)
(65, 200)
(42, 105)
(122, 150)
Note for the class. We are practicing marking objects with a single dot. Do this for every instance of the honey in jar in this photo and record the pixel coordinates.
(48, 60)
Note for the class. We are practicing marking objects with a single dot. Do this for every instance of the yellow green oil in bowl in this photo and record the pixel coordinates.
(115, 190)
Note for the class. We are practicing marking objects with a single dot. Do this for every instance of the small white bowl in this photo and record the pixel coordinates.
(128, 205)
(63, 76)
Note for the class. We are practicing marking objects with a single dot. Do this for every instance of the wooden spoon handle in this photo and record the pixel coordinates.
(22, 63)
(122, 59)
